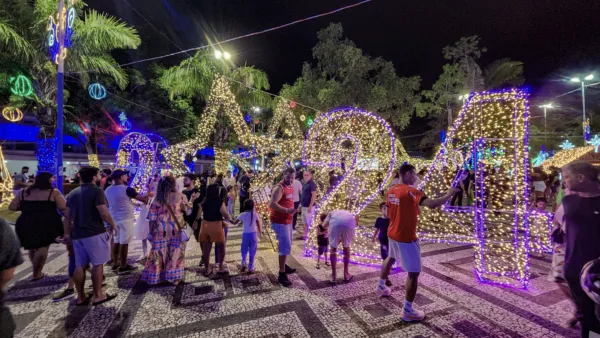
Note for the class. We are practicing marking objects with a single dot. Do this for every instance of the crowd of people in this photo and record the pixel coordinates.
(95, 222)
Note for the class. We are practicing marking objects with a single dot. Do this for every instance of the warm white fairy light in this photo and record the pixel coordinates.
(137, 145)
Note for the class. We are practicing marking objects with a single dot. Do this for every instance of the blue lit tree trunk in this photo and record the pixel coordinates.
(46, 154)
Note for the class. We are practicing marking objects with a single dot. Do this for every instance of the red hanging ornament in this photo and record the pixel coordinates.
(256, 121)
(292, 104)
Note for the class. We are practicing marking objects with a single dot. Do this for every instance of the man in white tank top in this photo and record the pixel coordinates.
(120, 205)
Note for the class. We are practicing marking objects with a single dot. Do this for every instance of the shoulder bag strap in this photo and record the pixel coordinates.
(179, 227)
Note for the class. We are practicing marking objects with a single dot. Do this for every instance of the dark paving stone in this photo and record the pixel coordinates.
(470, 329)
(377, 310)
(246, 283)
(202, 290)
(24, 319)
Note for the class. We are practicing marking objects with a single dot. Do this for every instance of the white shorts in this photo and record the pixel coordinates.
(307, 217)
(125, 231)
(340, 233)
(408, 254)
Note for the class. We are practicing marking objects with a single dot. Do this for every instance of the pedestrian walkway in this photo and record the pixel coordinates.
(241, 305)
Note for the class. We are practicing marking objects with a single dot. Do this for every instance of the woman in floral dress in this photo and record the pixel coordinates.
(166, 261)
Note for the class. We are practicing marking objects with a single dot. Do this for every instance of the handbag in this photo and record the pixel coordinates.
(185, 232)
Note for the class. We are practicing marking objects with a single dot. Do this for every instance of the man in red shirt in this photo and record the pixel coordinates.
(282, 214)
(403, 203)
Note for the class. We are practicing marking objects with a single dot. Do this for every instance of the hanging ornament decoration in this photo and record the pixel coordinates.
(292, 104)
(566, 145)
(21, 86)
(256, 121)
(12, 114)
(64, 21)
(125, 124)
(302, 118)
(595, 142)
(309, 122)
(97, 91)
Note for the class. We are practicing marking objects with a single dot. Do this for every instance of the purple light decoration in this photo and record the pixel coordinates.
(312, 135)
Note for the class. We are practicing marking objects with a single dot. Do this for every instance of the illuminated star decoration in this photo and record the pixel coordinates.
(540, 158)
(595, 142)
(566, 145)
(125, 124)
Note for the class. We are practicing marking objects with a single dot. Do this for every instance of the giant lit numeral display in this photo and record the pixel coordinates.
(137, 153)
(358, 146)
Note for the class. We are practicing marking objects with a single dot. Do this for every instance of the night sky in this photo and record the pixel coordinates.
(554, 38)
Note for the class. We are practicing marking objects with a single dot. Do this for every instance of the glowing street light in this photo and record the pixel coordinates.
(577, 80)
(218, 54)
(226, 55)
(222, 55)
(546, 106)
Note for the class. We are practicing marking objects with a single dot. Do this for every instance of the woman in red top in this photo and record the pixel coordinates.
(282, 214)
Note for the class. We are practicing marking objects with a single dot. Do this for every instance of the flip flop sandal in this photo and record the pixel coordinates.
(86, 301)
(327, 263)
(108, 298)
(332, 281)
(318, 266)
(348, 279)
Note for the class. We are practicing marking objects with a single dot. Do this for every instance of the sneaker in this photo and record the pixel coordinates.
(66, 293)
(289, 270)
(412, 315)
(114, 268)
(126, 269)
(283, 280)
(383, 291)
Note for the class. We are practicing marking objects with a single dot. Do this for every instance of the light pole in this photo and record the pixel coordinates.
(546, 106)
(576, 79)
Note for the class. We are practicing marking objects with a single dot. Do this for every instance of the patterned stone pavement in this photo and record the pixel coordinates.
(241, 305)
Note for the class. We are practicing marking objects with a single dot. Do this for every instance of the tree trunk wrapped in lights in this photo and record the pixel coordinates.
(6, 182)
(93, 160)
(222, 157)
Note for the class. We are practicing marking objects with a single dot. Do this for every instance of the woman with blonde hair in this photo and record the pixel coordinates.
(166, 261)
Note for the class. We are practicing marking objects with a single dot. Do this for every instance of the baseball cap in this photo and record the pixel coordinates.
(118, 173)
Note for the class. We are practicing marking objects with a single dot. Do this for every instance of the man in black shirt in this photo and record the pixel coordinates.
(10, 257)
(195, 196)
(84, 226)
(582, 233)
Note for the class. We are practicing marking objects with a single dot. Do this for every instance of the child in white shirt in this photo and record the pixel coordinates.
(252, 229)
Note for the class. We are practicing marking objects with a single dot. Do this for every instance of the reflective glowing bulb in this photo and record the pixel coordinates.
(226, 55)
(218, 54)
(589, 77)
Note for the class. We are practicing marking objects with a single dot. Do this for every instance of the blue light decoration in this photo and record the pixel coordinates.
(66, 20)
(46, 154)
(97, 91)
(442, 136)
(248, 118)
(566, 145)
(586, 129)
(540, 157)
(125, 124)
(595, 142)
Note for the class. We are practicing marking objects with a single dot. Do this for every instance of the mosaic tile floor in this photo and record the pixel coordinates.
(241, 305)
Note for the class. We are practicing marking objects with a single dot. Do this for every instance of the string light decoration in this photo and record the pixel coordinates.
(540, 158)
(566, 145)
(497, 225)
(12, 114)
(97, 91)
(21, 86)
(564, 157)
(221, 100)
(586, 129)
(65, 22)
(540, 227)
(6, 182)
(283, 115)
(348, 138)
(46, 154)
(93, 160)
(136, 151)
(125, 124)
(595, 142)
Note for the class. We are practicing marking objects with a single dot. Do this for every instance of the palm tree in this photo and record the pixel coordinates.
(502, 73)
(23, 36)
(194, 77)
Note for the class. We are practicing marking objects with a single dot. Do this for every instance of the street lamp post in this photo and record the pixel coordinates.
(576, 79)
(546, 106)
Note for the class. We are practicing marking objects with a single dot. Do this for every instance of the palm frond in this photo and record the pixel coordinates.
(193, 76)
(103, 64)
(503, 72)
(251, 77)
(101, 32)
(13, 41)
